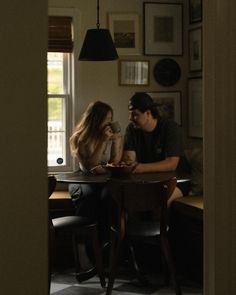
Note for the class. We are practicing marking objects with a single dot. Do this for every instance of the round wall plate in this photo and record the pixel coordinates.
(167, 72)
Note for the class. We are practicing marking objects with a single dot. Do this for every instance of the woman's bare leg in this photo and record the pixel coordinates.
(175, 195)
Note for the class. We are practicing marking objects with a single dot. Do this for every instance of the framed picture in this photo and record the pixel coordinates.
(163, 28)
(169, 104)
(133, 72)
(195, 107)
(124, 28)
(195, 50)
(195, 11)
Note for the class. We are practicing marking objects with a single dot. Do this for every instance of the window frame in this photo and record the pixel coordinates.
(67, 101)
(70, 103)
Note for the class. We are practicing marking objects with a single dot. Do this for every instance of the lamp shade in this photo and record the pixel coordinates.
(98, 46)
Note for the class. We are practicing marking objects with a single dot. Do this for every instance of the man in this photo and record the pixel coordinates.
(153, 142)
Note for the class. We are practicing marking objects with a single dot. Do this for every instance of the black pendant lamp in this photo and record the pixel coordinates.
(98, 44)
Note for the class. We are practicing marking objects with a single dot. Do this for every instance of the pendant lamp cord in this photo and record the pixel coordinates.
(98, 24)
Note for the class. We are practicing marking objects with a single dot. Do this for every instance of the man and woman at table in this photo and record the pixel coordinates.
(153, 143)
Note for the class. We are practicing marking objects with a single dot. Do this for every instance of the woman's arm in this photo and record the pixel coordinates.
(116, 148)
(91, 156)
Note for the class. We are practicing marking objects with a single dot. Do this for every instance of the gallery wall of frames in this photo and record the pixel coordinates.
(162, 32)
(159, 44)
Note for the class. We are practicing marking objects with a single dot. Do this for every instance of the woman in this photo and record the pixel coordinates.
(94, 143)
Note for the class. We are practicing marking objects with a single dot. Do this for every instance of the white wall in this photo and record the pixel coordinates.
(23, 171)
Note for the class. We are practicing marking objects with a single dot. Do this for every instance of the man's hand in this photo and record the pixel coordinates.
(139, 168)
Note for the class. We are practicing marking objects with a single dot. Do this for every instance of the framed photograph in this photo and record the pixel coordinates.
(195, 107)
(195, 11)
(124, 29)
(133, 72)
(195, 50)
(163, 28)
(169, 104)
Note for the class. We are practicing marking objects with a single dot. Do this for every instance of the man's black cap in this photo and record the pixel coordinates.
(141, 101)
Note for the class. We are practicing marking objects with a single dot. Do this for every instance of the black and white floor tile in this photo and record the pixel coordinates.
(65, 283)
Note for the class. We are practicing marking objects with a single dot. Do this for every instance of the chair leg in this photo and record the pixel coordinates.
(82, 276)
(143, 281)
(170, 263)
(51, 242)
(76, 254)
(114, 258)
(98, 257)
(165, 270)
(49, 274)
(85, 275)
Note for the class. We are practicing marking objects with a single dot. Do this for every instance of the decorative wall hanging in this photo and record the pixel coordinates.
(169, 104)
(195, 11)
(195, 50)
(163, 28)
(133, 72)
(167, 72)
(124, 28)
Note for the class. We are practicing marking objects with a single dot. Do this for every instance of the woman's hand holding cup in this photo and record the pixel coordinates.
(115, 127)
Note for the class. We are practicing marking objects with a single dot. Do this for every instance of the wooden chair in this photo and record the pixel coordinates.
(81, 230)
(132, 199)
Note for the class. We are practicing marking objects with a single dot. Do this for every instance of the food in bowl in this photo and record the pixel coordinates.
(119, 169)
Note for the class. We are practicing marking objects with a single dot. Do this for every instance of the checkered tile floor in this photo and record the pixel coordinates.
(64, 283)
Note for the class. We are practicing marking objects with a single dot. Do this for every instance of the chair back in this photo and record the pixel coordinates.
(51, 184)
(135, 198)
(51, 187)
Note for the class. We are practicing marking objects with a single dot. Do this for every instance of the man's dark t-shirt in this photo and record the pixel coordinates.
(164, 141)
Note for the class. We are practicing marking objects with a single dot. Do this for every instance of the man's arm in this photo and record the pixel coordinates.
(169, 164)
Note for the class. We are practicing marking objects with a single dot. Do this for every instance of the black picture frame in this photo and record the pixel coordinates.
(169, 104)
(125, 31)
(195, 11)
(195, 49)
(163, 29)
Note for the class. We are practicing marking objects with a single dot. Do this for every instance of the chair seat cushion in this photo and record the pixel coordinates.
(69, 222)
(142, 229)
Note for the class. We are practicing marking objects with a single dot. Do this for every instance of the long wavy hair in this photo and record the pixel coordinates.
(88, 129)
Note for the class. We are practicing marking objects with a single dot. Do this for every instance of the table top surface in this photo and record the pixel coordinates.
(80, 177)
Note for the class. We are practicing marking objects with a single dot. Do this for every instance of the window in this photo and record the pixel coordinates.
(59, 101)
(59, 67)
